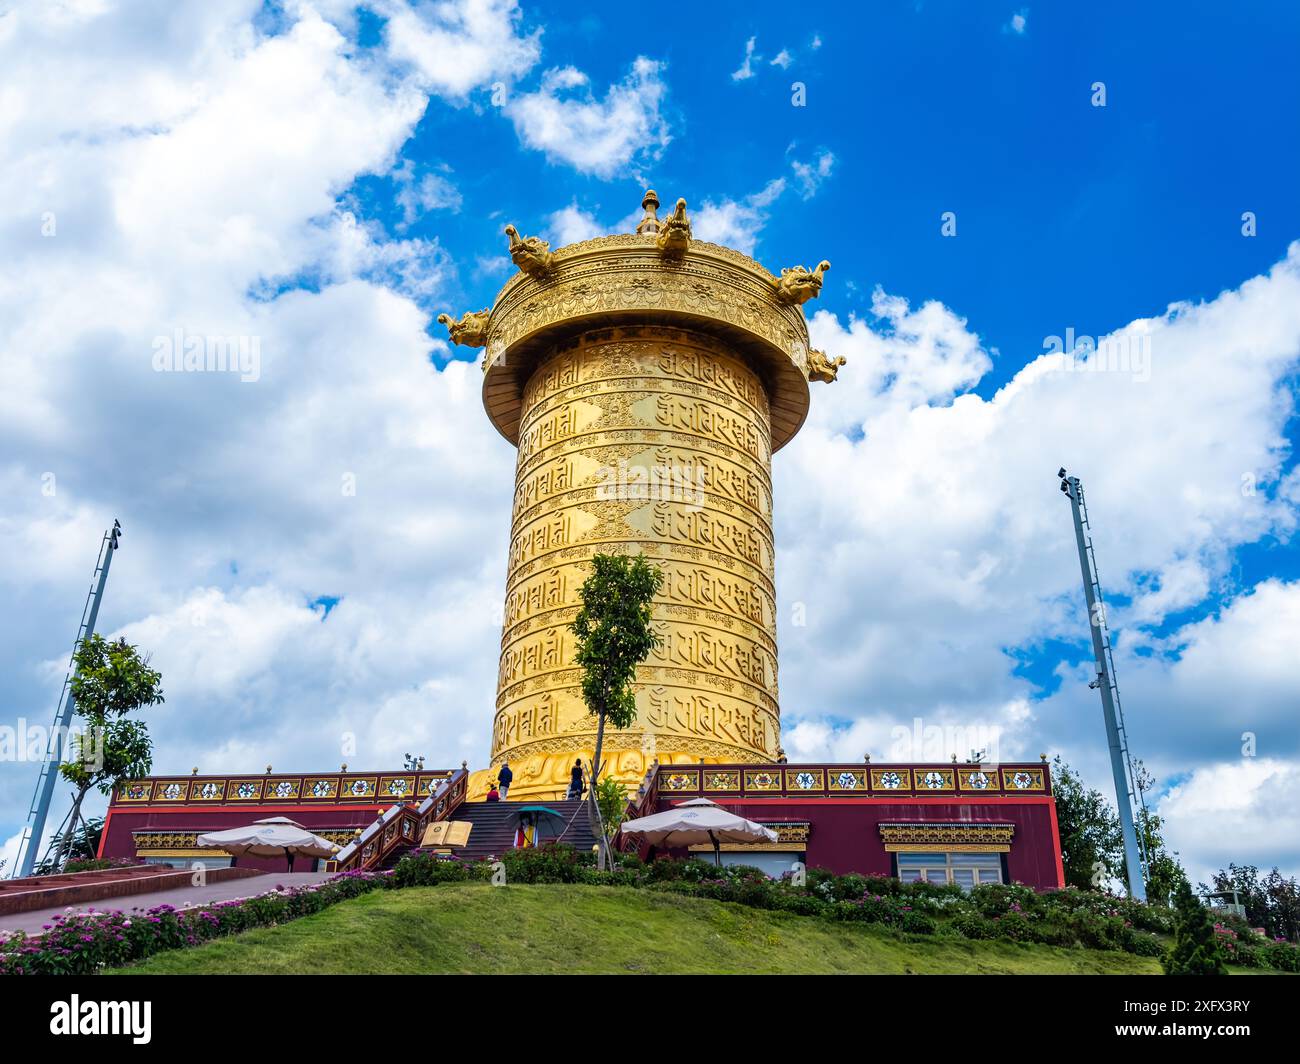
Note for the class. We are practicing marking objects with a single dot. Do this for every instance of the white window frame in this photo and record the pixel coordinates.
(938, 868)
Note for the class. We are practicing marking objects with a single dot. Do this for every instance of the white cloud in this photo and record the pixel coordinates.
(782, 59)
(571, 224)
(432, 192)
(811, 175)
(197, 173)
(736, 223)
(455, 46)
(1242, 812)
(746, 69)
(606, 136)
(1019, 22)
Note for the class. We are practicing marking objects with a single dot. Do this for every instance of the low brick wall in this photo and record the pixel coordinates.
(78, 888)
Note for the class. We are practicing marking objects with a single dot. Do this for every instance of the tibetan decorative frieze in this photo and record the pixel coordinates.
(877, 782)
(328, 788)
(956, 838)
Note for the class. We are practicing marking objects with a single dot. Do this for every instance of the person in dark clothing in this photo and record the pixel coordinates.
(504, 779)
(576, 786)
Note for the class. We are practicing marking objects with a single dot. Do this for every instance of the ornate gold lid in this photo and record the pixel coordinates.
(659, 275)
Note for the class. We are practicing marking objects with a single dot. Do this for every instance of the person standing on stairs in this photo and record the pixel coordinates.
(504, 778)
(576, 786)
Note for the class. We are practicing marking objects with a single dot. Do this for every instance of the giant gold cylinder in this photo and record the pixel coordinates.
(642, 431)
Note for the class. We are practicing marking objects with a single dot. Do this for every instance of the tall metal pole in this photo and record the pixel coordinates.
(1105, 684)
(40, 808)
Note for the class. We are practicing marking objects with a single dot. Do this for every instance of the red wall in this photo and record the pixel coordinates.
(123, 820)
(845, 834)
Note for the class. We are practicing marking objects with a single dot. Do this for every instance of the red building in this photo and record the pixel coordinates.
(960, 823)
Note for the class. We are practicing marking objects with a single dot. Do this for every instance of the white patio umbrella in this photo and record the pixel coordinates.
(272, 837)
(695, 823)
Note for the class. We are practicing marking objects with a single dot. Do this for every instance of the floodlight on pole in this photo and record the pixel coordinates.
(1127, 791)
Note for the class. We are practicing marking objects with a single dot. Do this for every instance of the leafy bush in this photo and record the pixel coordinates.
(915, 923)
(995, 899)
(1280, 956)
(974, 925)
(422, 869)
(544, 864)
(1014, 926)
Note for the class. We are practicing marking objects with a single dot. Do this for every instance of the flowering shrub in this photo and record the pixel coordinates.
(84, 943)
(93, 864)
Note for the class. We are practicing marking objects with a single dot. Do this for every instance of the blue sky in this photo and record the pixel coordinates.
(327, 178)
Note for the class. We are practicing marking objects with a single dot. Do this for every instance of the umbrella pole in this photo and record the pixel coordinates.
(717, 856)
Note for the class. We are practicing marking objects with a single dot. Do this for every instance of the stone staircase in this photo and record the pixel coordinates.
(494, 827)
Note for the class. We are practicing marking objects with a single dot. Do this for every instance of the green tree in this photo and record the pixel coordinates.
(611, 799)
(614, 636)
(1195, 950)
(1091, 842)
(1164, 871)
(1272, 902)
(109, 682)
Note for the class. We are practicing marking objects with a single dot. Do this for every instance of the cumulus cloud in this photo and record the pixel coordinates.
(455, 46)
(1242, 812)
(736, 223)
(571, 224)
(603, 136)
(349, 468)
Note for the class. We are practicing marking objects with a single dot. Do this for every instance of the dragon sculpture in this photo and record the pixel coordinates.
(821, 368)
(530, 253)
(798, 284)
(675, 234)
(470, 331)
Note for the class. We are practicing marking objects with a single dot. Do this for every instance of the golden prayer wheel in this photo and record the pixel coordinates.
(646, 379)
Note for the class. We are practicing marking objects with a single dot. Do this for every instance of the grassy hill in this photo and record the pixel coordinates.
(473, 928)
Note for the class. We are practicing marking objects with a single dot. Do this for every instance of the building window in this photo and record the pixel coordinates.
(965, 869)
(774, 864)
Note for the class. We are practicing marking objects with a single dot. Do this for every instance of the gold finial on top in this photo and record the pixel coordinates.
(650, 204)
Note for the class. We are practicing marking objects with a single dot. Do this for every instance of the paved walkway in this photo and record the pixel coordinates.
(179, 897)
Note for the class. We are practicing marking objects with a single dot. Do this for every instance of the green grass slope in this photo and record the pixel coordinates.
(474, 928)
